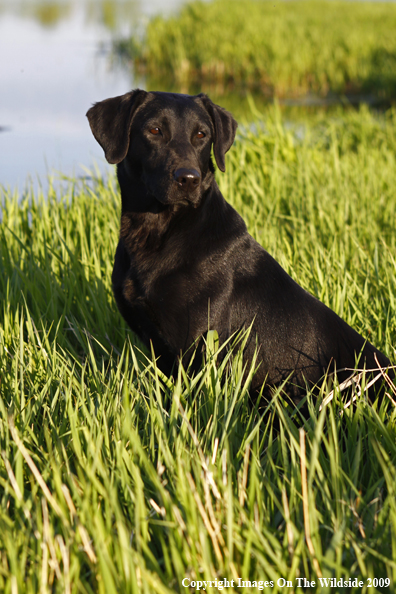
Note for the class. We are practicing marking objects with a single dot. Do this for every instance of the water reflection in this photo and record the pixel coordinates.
(48, 14)
(54, 63)
(109, 13)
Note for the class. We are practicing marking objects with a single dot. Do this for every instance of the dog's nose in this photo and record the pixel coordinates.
(188, 179)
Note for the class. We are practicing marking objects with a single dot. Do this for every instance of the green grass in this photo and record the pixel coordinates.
(282, 48)
(114, 478)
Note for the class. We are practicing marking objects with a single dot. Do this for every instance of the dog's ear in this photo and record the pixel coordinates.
(225, 127)
(111, 121)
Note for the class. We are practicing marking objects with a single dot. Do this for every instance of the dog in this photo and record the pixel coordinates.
(185, 262)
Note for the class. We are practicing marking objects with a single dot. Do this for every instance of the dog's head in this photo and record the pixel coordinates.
(165, 139)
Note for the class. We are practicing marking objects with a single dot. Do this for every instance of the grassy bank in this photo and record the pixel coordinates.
(283, 48)
(116, 479)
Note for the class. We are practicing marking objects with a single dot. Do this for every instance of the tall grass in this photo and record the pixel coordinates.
(283, 48)
(114, 478)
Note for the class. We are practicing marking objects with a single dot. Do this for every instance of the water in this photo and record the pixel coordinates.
(54, 63)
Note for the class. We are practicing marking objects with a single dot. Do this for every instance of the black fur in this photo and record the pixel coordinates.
(185, 261)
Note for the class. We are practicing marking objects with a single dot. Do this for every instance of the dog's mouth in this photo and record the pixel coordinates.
(178, 195)
(170, 200)
(177, 202)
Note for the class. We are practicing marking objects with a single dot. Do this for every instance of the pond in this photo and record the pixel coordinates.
(54, 63)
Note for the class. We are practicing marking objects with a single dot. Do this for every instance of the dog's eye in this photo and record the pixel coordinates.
(155, 131)
(201, 134)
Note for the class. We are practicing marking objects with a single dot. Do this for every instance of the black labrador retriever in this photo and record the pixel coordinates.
(185, 261)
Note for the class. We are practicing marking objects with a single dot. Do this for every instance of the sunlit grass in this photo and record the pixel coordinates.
(282, 48)
(114, 478)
